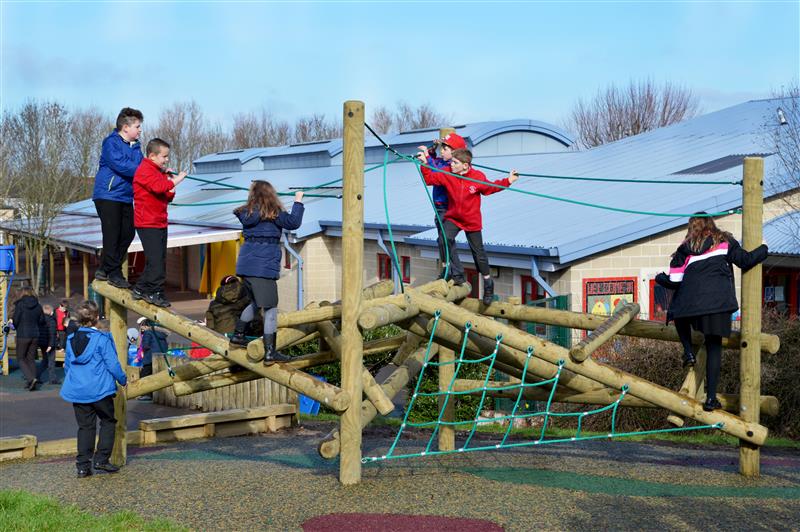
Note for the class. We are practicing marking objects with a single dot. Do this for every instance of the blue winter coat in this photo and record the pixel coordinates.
(439, 191)
(91, 367)
(260, 255)
(118, 162)
(153, 342)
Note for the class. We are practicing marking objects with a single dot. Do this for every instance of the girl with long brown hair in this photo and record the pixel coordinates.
(263, 220)
(701, 272)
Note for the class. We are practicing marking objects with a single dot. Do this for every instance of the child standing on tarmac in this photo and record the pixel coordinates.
(153, 189)
(92, 372)
(263, 220)
(439, 193)
(464, 211)
(113, 194)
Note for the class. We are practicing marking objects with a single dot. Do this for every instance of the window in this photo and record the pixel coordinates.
(531, 291)
(384, 266)
(287, 259)
(602, 296)
(406, 262)
(474, 281)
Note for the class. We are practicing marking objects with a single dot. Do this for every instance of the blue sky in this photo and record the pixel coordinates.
(472, 61)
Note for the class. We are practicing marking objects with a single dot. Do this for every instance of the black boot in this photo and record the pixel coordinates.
(689, 359)
(488, 291)
(238, 337)
(270, 354)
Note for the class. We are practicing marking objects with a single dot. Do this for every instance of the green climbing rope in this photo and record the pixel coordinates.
(548, 196)
(546, 414)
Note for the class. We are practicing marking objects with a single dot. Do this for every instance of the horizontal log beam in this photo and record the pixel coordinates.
(610, 377)
(211, 382)
(605, 396)
(327, 394)
(374, 317)
(588, 322)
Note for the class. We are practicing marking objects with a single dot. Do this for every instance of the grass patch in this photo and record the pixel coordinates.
(688, 438)
(21, 510)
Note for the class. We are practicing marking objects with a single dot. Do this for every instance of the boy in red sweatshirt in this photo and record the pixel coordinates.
(464, 211)
(153, 189)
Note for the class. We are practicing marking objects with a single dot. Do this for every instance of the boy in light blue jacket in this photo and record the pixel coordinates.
(92, 372)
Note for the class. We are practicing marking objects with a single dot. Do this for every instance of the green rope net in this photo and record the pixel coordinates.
(546, 413)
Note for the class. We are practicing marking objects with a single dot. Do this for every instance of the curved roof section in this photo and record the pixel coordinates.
(475, 133)
(782, 234)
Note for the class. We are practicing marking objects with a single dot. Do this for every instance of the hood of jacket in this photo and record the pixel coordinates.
(79, 342)
(28, 302)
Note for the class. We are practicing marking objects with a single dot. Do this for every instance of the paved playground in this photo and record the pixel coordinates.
(278, 481)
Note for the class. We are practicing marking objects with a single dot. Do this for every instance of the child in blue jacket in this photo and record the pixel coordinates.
(259, 264)
(113, 194)
(92, 373)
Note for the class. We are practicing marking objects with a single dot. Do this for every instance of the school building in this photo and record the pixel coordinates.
(556, 238)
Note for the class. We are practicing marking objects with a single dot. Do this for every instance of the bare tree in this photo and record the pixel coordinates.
(382, 120)
(423, 116)
(87, 129)
(316, 127)
(259, 129)
(783, 139)
(38, 138)
(182, 125)
(618, 112)
(8, 176)
(215, 139)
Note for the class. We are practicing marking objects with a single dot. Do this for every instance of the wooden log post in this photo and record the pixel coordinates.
(517, 301)
(621, 317)
(447, 403)
(352, 281)
(611, 377)
(85, 261)
(692, 383)
(67, 289)
(329, 447)
(373, 392)
(750, 368)
(577, 320)
(118, 324)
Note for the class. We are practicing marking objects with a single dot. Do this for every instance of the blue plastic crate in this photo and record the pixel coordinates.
(309, 405)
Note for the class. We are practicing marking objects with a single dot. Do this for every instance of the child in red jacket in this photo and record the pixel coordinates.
(464, 211)
(153, 189)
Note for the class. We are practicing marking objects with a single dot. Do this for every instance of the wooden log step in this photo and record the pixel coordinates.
(235, 422)
(23, 446)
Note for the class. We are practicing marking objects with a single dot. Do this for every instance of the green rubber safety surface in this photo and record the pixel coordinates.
(626, 486)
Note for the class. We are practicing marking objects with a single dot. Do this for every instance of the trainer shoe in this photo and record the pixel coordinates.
(138, 294)
(100, 275)
(119, 281)
(83, 473)
(107, 467)
(488, 291)
(158, 300)
(711, 404)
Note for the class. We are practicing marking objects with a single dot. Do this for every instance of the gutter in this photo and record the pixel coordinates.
(539, 279)
(293, 253)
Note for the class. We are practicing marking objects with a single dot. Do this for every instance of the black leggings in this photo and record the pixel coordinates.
(713, 364)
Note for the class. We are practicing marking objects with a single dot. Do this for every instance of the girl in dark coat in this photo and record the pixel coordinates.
(701, 272)
(28, 318)
(259, 264)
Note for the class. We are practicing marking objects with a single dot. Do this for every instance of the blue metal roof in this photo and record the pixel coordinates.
(782, 234)
(525, 225)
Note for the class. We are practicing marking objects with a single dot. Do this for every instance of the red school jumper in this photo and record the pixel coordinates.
(152, 192)
(464, 196)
